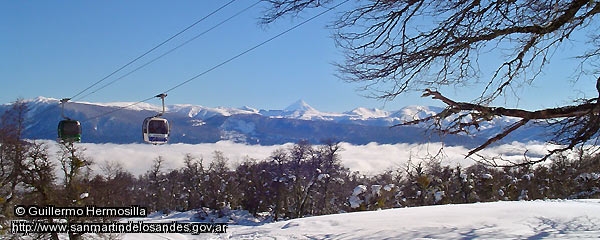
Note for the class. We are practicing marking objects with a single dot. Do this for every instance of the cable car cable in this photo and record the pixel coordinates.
(175, 48)
(117, 109)
(146, 53)
(256, 46)
(220, 64)
(154, 48)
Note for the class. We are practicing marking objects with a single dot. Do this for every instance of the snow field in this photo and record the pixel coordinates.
(552, 219)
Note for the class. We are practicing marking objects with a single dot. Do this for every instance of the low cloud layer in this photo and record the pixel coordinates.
(368, 159)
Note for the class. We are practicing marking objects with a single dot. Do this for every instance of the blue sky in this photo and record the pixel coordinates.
(57, 49)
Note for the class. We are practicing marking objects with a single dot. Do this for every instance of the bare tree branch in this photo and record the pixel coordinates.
(579, 123)
(395, 46)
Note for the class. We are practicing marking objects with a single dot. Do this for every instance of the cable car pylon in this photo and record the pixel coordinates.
(156, 129)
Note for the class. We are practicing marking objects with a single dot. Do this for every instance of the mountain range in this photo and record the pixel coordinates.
(121, 123)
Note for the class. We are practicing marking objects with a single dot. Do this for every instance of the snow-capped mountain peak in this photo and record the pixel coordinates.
(367, 113)
(249, 109)
(103, 122)
(41, 99)
(299, 106)
(301, 110)
(411, 113)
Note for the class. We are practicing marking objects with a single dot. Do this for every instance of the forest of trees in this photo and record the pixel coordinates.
(297, 181)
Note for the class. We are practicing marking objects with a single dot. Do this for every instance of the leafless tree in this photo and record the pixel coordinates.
(75, 168)
(396, 46)
(13, 152)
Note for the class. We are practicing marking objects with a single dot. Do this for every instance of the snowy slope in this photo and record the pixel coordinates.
(556, 219)
(367, 113)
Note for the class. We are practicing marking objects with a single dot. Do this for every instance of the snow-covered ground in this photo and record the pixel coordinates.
(551, 219)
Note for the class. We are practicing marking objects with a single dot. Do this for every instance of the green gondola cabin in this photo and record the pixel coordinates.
(69, 131)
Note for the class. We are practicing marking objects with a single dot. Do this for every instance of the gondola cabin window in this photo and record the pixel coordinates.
(158, 126)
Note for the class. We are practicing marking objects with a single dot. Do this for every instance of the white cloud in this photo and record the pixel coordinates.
(369, 159)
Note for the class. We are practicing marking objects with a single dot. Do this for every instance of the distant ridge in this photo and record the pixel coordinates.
(298, 121)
